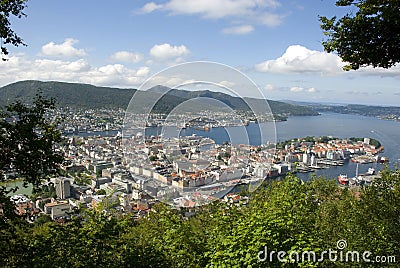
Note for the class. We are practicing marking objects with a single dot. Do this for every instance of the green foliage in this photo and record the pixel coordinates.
(7, 35)
(27, 147)
(27, 141)
(101, 192)
(371, 36)
(27, 152)
(44, 191)
(152, 158)
(372, 141)
(82, 178)
(323, 139)
(288, 215)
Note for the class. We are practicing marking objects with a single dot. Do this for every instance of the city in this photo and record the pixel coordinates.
(178, 133)
(133, 173)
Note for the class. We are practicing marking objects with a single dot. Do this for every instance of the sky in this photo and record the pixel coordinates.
(122, 43)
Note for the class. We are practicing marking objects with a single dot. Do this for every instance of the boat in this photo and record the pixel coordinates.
(343, 180)
(371, 171)
(184, 125)
(384, 159)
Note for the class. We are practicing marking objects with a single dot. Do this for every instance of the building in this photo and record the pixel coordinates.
(23, 204)
(63, 188)
(57, 209)
(97, 182)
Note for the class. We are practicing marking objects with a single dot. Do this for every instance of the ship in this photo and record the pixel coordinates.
(343, 180)
(360, 179)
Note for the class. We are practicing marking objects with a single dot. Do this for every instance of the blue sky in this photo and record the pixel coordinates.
(122, 43)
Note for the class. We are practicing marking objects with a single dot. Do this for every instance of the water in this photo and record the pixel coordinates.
(327, 124)
(345, 126)
(21, 189)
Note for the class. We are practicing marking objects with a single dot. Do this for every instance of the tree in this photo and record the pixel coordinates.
(371, 37)
(28, 139)
(27, 150)
(280, 217)
(27, 144)
(7, 35)
(101, 192)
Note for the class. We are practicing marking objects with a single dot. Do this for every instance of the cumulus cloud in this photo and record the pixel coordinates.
(19, 68)
(166, 51)
(239, 30)
(65, 49)
(269, 87)
(216, 9)
(301, 89)
(150, 7)
(143, 71)
(126, 56)
(253, 11)
(370, 71)
(227, 84)
(299, 59)
(296, 89)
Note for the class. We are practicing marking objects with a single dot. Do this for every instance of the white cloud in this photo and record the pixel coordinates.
(269, 87)
(166, 51)
(150, 7)
(252, 11)
(65, 49)
(227, 84)
(270, 19)
(143, 71)
(214, 9)
(305, 90)
(19, 68)
(391, 72)
(299, 59)
(239, 30)
(126, 56)
(296, 89)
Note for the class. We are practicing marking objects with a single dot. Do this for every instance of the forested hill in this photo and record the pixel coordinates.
(67, 94)
(89, 96)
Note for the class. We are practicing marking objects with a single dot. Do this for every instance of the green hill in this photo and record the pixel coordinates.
(68, 94)
(89, 96)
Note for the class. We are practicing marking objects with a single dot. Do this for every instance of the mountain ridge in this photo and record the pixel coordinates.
(89, 96)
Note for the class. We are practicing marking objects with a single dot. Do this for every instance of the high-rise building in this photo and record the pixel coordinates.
(63, 187)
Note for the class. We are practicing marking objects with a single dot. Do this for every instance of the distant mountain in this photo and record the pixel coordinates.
(367, 110)
(89, 96)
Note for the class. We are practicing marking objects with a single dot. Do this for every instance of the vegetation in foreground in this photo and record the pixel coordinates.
(287, 215)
